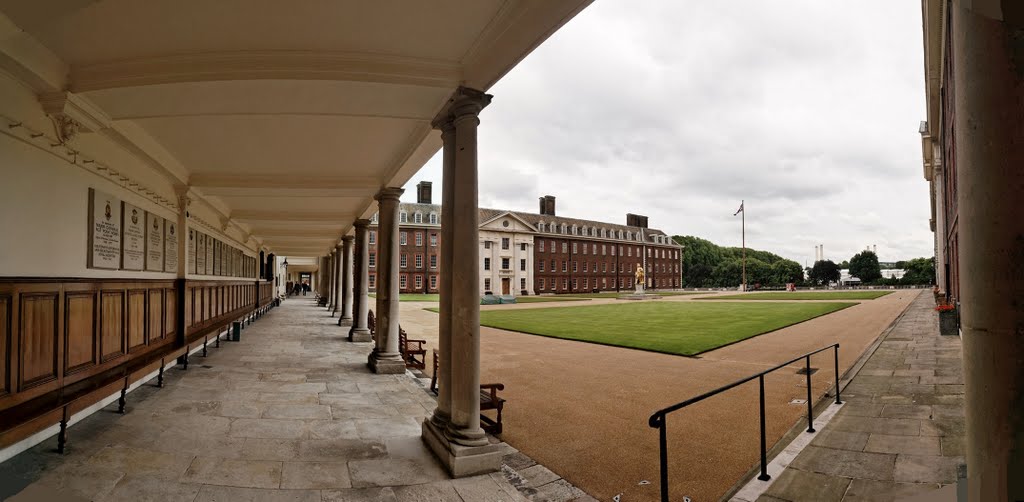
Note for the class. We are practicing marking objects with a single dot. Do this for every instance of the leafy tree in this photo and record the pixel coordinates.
(707, 265)
(864, 266)
(844, 264)
(824, 272)
(919, 271)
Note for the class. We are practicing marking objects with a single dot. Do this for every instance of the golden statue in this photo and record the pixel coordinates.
(639, 274)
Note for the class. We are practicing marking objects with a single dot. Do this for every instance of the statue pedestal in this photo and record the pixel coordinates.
(639, 288)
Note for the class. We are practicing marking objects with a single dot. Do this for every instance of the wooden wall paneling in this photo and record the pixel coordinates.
(38, 338)
(80, 330)
(112, 325)
(189, 305)
(136, 318)
(5, 344)
(170, 311)
(155, 315)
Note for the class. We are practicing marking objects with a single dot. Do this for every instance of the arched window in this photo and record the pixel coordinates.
(563, 228)
(373, 219)
(574, 229)
(433, 218)
(403, 217)
(540, 227)
(417, 217)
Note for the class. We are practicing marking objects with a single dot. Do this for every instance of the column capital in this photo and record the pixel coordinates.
(361, 223)
(347, 238)
(468, 101)
(389, 193)
(464, 101)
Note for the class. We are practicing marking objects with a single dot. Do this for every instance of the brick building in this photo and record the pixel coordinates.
(536, 253)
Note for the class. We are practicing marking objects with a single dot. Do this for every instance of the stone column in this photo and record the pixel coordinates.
(334, 281)
(462, 446)
(442, 414)
(359, 331)
(386, 357)
(336, 269)
(988, 97)
(346, 279)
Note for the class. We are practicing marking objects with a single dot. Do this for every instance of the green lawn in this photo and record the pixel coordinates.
(804, 295)
(542, 299)
(612, 294)
(684, 328)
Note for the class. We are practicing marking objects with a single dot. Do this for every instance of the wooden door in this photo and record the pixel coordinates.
(506, 285)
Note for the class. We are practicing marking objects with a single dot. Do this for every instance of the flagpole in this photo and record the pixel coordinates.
(743, 208)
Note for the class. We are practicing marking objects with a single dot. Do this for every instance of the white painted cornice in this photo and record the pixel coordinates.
(28, 60)
(257, 65)
(81, 110)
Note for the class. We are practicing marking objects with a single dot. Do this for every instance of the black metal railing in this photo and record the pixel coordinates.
(657, 420)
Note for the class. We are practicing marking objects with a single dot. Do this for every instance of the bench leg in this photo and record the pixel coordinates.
(184, 359)
(205, 340)
(160, 375)
(216, 344)
(121, 401)
(62, 436)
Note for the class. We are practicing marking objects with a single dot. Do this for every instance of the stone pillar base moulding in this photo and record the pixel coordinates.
(384, 365)
(359, 335)
(462, 461)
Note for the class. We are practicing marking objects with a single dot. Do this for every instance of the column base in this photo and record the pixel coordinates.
(383, 364)
(462, 461)
(359, 335)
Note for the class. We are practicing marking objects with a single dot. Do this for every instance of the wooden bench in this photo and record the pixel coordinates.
(489, 400)
(413, 353)
(321, 301)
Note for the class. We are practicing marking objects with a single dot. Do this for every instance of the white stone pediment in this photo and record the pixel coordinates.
(507, 222)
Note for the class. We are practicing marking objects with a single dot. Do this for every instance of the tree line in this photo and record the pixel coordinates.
(708, 265)
(865, 266)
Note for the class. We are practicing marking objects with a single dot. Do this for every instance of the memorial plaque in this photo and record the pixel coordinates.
(217, 257)
(133, 256)
(170, 246)
(154, 243)
(209, 255)
(200, 253)
(190, 253)
(104, 230)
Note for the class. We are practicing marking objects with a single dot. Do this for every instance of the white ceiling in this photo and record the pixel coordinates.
(285, 116)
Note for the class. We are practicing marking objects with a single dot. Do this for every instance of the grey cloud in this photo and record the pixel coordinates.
(679, 109)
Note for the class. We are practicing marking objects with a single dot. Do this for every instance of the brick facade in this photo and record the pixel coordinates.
(564, 255)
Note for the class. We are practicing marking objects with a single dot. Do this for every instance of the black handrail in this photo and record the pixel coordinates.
(657, 420)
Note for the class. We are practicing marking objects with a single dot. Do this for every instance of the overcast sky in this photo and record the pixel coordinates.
(678, 109)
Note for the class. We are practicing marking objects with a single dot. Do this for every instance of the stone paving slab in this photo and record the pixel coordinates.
(289, 414)
(900, 433)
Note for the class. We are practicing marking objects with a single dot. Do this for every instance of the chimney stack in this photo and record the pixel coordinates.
(424, 193)
(547, 205)
(874, 249)
(822, 252)
(636, 220)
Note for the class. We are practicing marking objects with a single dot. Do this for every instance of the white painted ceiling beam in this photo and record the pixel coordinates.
(276, 65)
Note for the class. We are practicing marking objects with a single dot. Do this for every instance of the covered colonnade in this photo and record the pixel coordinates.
(162, 161)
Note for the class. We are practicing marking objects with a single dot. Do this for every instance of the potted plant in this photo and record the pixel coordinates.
(948, 321)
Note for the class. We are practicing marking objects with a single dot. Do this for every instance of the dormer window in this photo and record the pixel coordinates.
(433, 218)
(417, 217)
(403, 217)
(540, 227)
